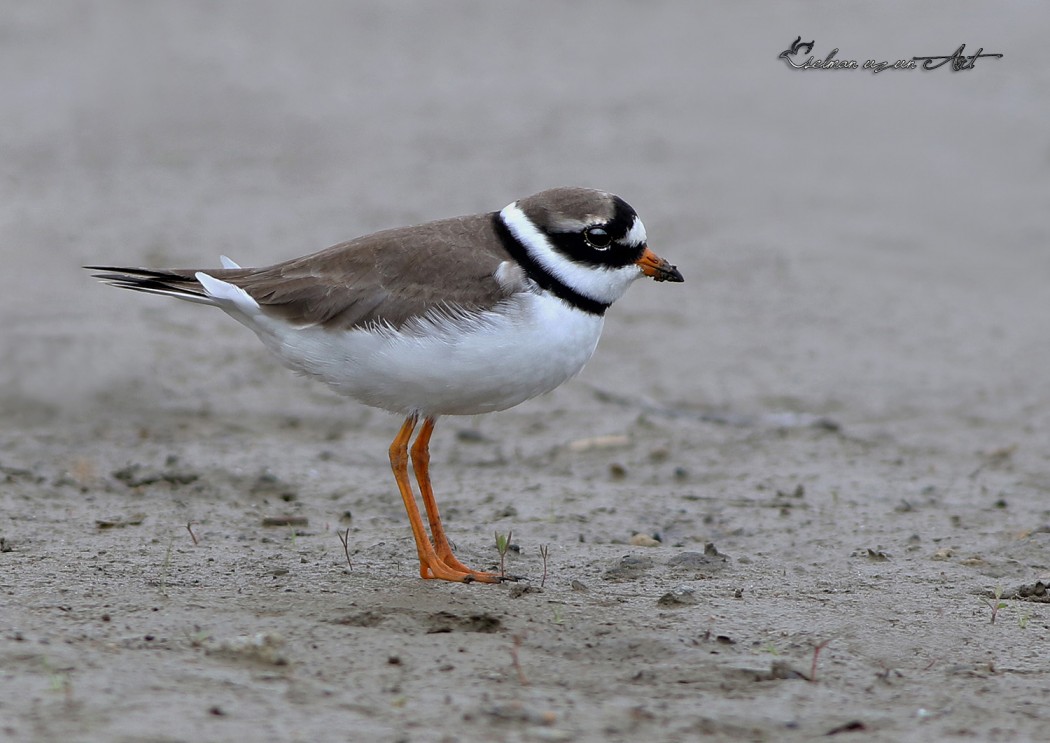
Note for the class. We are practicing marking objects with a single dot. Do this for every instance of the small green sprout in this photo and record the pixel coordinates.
(502, 545)
(996, 605)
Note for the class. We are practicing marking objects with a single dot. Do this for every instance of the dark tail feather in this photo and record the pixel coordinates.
(170, 282)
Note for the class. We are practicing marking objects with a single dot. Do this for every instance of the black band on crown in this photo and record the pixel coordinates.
(535, 271)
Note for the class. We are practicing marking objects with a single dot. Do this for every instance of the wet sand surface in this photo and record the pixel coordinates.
(779, 503)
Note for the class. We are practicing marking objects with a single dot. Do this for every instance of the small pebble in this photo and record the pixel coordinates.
(644, 540)
(629, 567)
(520, 589)
(698, 561)
(599, 442)
(285, 521)
(680, 596)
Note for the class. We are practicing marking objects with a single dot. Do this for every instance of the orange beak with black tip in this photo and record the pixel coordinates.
(657, 268)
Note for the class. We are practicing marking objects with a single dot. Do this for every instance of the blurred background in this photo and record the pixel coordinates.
(873, 247)
(867, 249)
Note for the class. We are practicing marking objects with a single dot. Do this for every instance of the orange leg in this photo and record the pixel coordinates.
(421, 465)
(430, 565)
(399, 464)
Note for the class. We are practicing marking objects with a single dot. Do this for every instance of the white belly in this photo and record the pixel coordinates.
(490, 363)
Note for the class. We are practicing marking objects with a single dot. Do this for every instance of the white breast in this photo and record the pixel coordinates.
(493, 361)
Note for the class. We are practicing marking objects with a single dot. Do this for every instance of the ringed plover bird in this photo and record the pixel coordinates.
(455, 317)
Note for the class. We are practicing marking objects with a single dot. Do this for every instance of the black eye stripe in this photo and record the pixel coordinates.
(574, 245)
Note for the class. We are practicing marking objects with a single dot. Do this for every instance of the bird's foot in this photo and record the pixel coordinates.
(437, 570)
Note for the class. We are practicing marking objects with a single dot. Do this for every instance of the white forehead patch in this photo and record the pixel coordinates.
(635, 236)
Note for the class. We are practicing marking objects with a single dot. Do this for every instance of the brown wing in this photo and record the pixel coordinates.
(388, 277)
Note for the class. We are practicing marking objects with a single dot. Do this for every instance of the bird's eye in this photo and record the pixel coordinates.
(597, 238)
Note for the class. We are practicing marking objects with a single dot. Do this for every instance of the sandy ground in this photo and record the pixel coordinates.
(848, 399)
